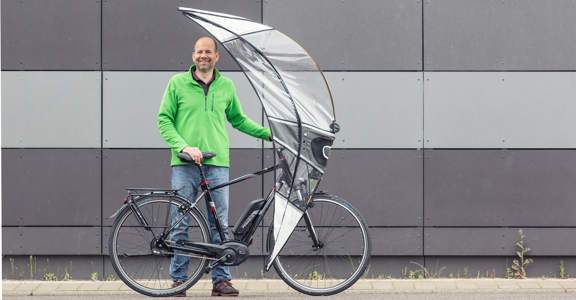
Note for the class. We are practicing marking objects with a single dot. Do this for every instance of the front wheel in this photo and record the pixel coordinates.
(341, 258)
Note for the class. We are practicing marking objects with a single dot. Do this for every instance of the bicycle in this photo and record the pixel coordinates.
(328, 251)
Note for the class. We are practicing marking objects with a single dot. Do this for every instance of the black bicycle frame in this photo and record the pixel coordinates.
(210, 249)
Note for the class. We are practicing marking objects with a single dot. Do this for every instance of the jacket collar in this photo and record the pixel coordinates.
(193, 68)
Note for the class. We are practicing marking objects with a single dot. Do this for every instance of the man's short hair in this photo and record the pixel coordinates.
(206, 37)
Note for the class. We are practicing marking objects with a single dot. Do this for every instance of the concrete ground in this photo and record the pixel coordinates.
(276, 289)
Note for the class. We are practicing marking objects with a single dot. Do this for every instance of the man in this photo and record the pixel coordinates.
(192, 119)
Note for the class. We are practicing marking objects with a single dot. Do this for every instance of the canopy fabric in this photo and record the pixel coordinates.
(297, 103)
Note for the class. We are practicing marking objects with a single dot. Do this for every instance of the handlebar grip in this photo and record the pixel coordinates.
(186, 157)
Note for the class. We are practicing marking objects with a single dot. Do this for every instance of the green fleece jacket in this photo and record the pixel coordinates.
(188, 117)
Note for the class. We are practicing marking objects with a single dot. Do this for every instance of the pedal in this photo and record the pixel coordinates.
(215, 263)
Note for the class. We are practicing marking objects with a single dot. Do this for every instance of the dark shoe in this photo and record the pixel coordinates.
(177, 283)
(224, 288)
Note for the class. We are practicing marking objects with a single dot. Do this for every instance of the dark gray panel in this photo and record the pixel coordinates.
(500, 35)
(396, 241)
(382, 267)
(136, 96)
(50, 187)
(131, 169)
(64, 267)
(153, 35)
(151, 168)
(51, 35)
(498, 241)
(490, 267)
(255, 248)
(385, 241)
(51, 240)
(500, 187)
(384, 185)
(385, 35)
(51, 109)
(252, 268)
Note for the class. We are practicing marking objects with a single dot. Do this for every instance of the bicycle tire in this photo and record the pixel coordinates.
(121, 260)
(309, 281)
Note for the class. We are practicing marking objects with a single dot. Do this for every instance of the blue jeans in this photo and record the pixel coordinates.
(186, 179)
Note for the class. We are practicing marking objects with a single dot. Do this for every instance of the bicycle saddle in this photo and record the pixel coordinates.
(186, 157)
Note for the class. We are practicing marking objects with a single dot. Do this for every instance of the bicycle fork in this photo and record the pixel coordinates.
(316, 244)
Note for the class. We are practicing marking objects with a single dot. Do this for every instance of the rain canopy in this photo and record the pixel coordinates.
(297, 103)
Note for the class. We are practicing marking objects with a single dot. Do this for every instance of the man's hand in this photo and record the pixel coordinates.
(270, 138)
(195, 153)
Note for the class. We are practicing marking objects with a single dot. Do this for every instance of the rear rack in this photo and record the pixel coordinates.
(152, 191)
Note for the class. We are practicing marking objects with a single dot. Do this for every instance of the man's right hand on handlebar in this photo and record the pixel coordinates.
(195, 153)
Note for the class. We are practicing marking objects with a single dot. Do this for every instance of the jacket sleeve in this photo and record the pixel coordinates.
(167, 119)
(241, 122)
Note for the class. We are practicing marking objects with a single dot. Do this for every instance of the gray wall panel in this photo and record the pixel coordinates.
(385, 35)
(377, 110)
(498, 241)
(500, 35)
(396, 241)
(151, 168)
(51, 109)
(153, 35)
(78, 267)
(500, 110)
(490, 267)
(50, 187)
(385, 242)
(132, 100)
(385, 185)
(51, 35)
(500, 187)
(255, 249)
(51, 240)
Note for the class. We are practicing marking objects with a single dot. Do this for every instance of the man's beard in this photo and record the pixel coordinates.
(205, 68)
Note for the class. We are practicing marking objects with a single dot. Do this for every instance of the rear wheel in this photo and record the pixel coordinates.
(342, 257)
(139, 262)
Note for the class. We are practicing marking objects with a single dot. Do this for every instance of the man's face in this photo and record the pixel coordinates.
(204, 55)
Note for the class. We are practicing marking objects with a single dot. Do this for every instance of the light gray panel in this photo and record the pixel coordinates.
(71, 267)
(50, 109)
(385, 35)
(132, 100)
(153, 35)
(500, 110)
(498, 241)
(51, 240)
(377, 110)
(50, 187)
(50, 35)
(500, 187)
(151, 168)
(384, 185)
(500, 35)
